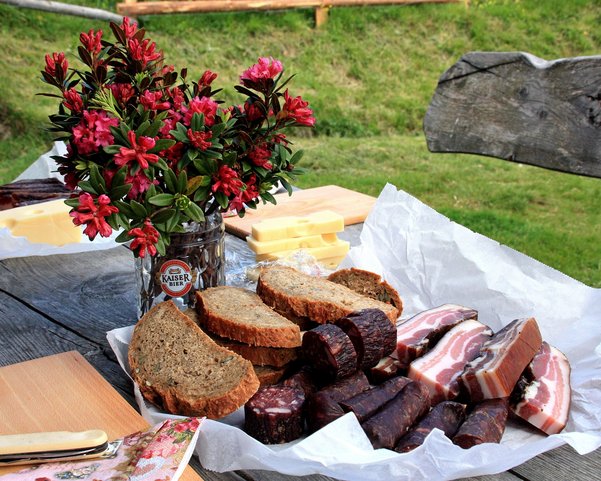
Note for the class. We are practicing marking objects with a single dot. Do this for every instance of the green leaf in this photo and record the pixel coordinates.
(182, 182)
(123, 237)
(202, 194)
(196, 182)
(286, 185)
(160, 245)
(161, 216)
(124, 208)
(87, 187)
(222, 199)
(119, 191)
(217, 129)
(172, 222)
(111, 149)
(171, 180)
(138, 209)
(192, 154)
(161, 164)
(113, 221)
(194, 212)
(162, 144)
(203, 167)
(141, 130)
(154, 128)
(297, 156)
(268, 197)
(198, 122)
(72, 202)
(161, 200)
(96, 179)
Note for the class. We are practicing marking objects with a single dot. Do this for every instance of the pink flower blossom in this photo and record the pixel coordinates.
(253, 112)
(93, 131)
(177, 97)
(207, 78)
(144, 51)
(91, 41)
(93, 215)
(296, 109)
(280, 139)
(153, 101)
(73, 101)
(260, 155)
(145, 239)
(129, 29)
(138, 151)
(56, 65)
(203, 105)
(251, 192)
(139, 183)
(122, 92)
(200, 140)
(227, 181)
(259, 73)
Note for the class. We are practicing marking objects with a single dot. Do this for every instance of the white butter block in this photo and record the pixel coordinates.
(291, 243)
(322, 222)
(46, 222)
(336, 249)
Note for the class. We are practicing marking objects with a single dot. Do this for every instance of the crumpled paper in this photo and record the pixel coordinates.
(432, 261)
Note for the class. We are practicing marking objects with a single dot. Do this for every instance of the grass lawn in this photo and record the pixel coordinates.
(369, 74)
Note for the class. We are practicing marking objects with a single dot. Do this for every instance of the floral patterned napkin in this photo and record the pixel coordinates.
(158, 454)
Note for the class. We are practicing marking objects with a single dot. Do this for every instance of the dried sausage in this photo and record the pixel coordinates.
(330, 351)
(485, 424)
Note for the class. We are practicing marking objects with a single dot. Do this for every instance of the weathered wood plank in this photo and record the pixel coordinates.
(517, 107)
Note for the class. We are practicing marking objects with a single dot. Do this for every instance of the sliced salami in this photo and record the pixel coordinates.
(274, 415)
(485, 424)
(330, 351)
(304, 379)
(446, 416)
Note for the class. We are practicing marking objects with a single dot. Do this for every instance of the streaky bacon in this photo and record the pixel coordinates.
(419, 333)
(495, 372)
(545, 400)
(440, 367)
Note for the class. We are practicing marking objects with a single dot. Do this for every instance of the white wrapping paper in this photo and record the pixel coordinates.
(432, 261)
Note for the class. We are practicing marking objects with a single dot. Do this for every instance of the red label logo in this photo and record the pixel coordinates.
(176, 278)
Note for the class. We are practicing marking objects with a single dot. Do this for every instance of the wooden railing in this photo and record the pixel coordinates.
(134, 7)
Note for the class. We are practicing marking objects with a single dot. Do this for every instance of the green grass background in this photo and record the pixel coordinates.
(369, 74)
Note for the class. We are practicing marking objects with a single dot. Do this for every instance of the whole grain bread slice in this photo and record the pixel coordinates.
(179, 368)
(293, 293)
(369, 284)
(258, 355)
(241, 315)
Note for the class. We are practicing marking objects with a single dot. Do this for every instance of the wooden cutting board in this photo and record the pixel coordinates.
(64, 393)
(353, 206)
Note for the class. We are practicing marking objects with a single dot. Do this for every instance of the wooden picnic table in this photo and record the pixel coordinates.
(59, 303)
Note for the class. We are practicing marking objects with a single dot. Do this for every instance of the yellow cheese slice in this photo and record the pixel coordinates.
(322, 222)
(336, 249)
(291, 243)
(46, 222)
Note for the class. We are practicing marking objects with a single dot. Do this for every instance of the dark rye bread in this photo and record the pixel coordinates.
(298, 295)
(258, 355)
(179, 368)
(241, 315)
(369, 284)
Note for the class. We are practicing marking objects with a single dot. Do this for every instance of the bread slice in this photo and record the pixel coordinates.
(258, 355)
(239, 314)
(292, 293)
(269, 375)
(369, 284)
(179, 368)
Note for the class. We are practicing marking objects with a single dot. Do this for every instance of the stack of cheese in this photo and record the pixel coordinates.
(280, 237)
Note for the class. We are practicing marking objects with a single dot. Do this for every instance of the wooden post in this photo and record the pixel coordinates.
(321, 16)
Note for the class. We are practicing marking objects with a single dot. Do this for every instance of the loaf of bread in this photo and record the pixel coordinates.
(239, 314)
(299, 296)
(369, 284)
(179, 368)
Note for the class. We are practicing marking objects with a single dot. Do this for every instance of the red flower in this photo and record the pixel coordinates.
(200, 140)
(56, 65)
(93, 131)
(122, 92)
(203, 105)
(227, 181)
(253, 112)
(145, 239)
(139, 183)
(73, 101)
(265, 69)
(280, 139)
(152, 101)
(296, 109)
(249, 193)
(260, 155)
(129, 29)
(143, 52)
(207, 78)
(91, 41)
(93, 215)
(138, 152)
(177, 97)
(173, 154)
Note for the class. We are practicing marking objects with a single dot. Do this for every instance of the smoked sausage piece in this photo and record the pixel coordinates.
(387, 426)
(485, 424)
(304, 379)
(386, 368)
(329, 351)
(446, 416)
(274, 414)
(372, 335)
(365, 404)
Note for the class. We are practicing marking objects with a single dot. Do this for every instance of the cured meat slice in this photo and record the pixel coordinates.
(365, 404)
(446, 416)
(485, 424)
(496, 370)
(418, 334)
(440, 367)
(389, 424)
(274, 414)
(323, 407)
(372, 335)
(304, 379)
(330, 351)
(386, 368)
(545, 400)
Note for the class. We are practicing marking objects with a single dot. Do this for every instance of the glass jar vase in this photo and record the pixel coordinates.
(194, 260)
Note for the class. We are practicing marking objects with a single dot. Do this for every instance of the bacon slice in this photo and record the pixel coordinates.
(545, 401)
(494, 373)
(418, 334)
(439, 368)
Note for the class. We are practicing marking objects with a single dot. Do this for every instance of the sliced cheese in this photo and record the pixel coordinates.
(291, 243)
(46, 222)
(322, 222)
(336, 249)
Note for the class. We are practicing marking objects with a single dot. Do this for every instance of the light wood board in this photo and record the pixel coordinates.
(353, 206)
(64, 392)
